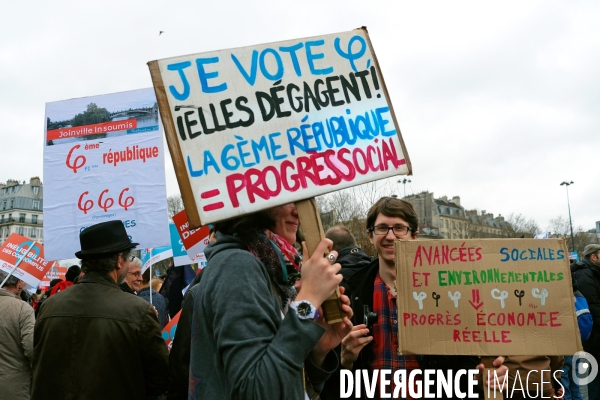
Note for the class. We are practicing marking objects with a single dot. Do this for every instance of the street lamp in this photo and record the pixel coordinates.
(404, 182)
(567, 184)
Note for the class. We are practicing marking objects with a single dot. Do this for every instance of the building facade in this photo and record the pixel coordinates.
(21, 206)
(450, 220)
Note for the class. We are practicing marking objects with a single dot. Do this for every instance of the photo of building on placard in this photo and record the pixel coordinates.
(106, 116)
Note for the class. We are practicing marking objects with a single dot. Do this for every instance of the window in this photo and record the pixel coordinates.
(36, 189)
(2, 219)
(4, 205)
(36, 204)
(32, 232)
(34, 219)
(10, 218)
(20, 230)
(12, 203)
(22, 218)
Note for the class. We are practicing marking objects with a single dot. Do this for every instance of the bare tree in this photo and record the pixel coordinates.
(560, 227)
(522, 226)
(174, 205)
(349, 207)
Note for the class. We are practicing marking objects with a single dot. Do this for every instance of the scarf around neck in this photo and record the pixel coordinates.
(280, 259)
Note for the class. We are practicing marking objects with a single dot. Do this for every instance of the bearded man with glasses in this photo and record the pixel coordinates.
(372, 294)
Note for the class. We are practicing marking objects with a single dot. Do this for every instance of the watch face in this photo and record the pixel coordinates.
(304, 309)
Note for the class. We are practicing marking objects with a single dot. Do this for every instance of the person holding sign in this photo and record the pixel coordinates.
(373, 343)
(256, 335)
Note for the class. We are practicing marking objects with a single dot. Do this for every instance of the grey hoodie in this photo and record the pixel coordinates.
(241, 346)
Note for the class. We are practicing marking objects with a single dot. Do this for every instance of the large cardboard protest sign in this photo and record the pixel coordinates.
(33, 265)
(103, 160)
(485, 297)
(194, 240)
(260, 126)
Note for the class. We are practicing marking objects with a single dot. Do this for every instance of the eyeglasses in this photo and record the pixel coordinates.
(136, 274)
(399, 230)
(131, 258)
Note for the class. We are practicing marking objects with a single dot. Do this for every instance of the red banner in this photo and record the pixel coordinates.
(95, 129)
(33, 267)
(194, 240)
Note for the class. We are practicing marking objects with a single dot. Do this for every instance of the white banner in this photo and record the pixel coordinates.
(103, 160)
(152, 256)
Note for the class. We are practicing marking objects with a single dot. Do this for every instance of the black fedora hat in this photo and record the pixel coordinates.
(104, 238)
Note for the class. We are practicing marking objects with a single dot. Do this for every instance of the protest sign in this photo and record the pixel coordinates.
(168, 332)
(180, 255)
(150, 257)
(260, 126)
(485, 297)
(32, 266)
(103, 160)
(56, 271)
(195, 240)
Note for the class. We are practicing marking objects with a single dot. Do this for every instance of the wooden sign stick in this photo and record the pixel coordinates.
(310, 220)
(489, 369)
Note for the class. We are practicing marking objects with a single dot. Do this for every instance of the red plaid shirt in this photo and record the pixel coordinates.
(385, 335)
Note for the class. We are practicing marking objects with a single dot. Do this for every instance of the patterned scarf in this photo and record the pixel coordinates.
(281, 260)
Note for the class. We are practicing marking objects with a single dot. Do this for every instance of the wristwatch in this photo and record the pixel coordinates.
(305, 310)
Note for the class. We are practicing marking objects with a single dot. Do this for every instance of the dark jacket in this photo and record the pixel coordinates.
(353, 257)
(359, 284)
(586, 279)
(242, 347)
(179, 357)
(125, 287)
(95, 342)
(158, 301)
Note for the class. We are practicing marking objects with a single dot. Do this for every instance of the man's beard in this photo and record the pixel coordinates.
(123, 275)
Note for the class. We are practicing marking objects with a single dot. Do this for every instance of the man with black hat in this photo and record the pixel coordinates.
(94, 341)
(586, 279)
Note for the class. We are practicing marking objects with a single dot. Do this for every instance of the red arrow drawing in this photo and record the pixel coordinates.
(476, 303)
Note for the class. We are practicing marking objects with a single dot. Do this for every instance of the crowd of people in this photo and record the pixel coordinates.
(251, 325)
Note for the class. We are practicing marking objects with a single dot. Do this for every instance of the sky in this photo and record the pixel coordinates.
(497, 102)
